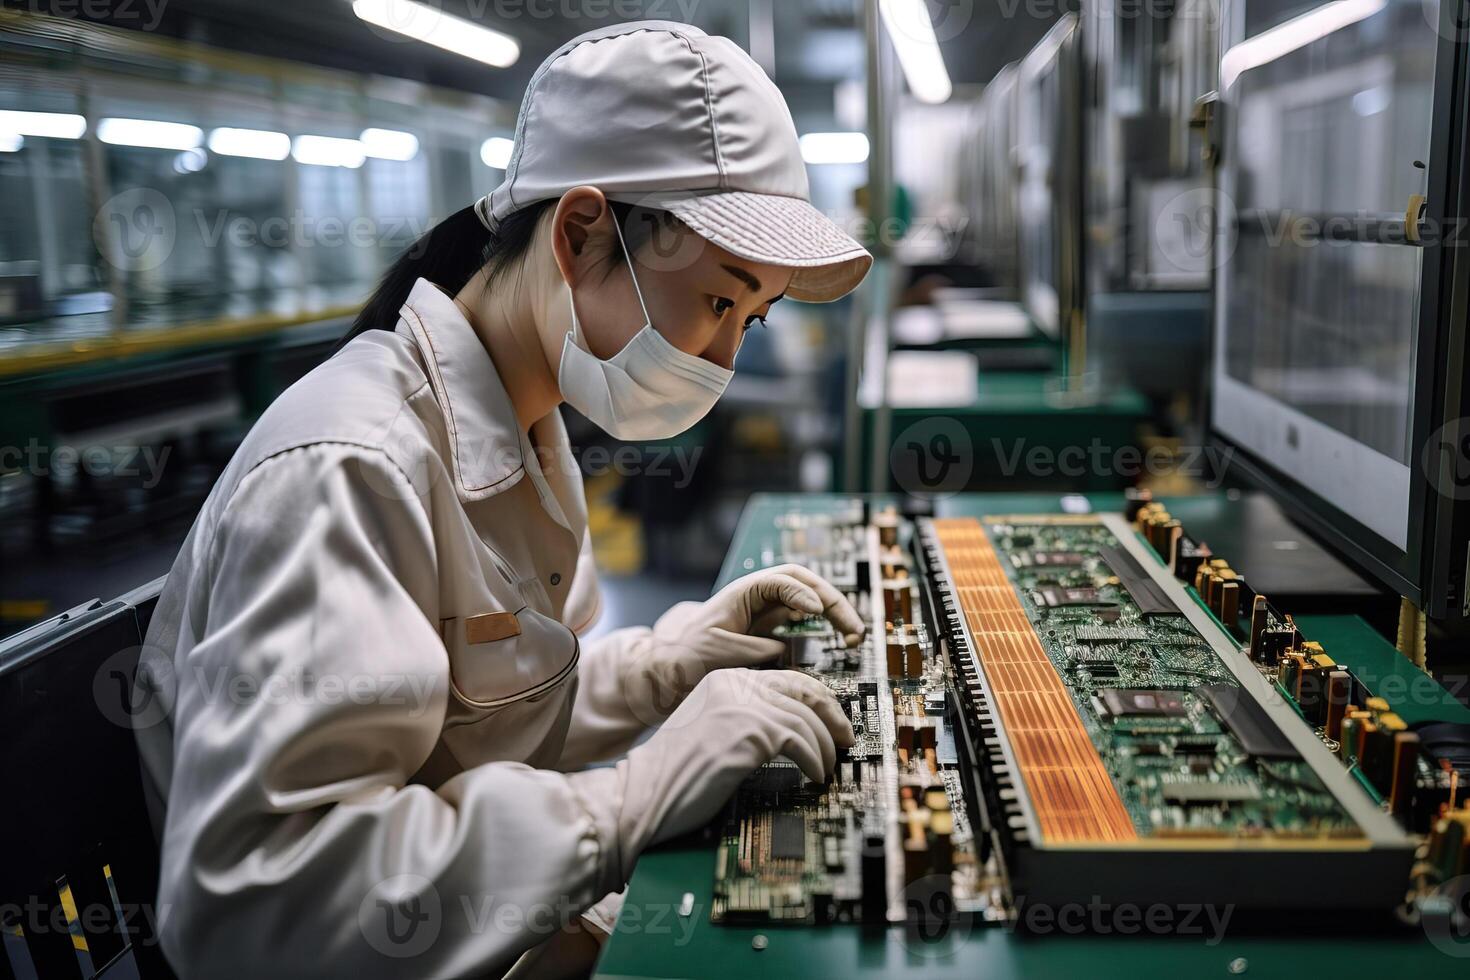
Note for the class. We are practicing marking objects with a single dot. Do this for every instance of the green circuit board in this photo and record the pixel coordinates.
(1187, 754)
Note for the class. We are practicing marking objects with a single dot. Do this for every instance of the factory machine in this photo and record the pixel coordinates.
(1057, 708)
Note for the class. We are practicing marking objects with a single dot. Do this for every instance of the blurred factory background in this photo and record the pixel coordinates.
(195, 195)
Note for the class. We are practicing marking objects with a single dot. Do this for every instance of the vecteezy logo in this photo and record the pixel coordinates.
(1445, 916)
(401, 916)
(393, 20)
(135, 230)
(129, 704)
(1452, 25)
(1187, 228)
(932, 458)
(663, 242)
(946, 19)
(1446, 460)
(933, 927)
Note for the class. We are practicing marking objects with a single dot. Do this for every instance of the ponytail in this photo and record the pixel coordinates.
(447, 255)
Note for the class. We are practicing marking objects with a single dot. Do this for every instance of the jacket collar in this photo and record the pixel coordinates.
(485, 440)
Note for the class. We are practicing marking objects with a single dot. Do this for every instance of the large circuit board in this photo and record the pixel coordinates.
(892, 828)
(1185, 751)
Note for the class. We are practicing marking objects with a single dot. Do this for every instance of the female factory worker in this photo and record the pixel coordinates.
(363, 708)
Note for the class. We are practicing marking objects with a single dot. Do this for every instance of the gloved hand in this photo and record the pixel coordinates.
(733, 721)
(732, 628)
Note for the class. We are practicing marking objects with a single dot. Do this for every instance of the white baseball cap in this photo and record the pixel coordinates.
(664, 116)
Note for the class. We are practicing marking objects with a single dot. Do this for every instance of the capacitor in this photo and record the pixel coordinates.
(913, 659)
(1405, 761)
(895, 647)
(1230, 603)
(1339, 689)
(1258, 625)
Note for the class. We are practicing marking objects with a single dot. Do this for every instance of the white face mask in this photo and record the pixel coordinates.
(649, 390)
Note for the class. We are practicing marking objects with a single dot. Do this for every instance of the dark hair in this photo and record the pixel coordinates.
(453, 251)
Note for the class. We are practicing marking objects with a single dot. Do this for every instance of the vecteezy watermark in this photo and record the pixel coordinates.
(149, 700)
(1157, 10)
(1187, 229)
(415, 472)
(142, 15)
(1202, 227)
(943, 20)
(1446, 459)
(43, 915)
(933, 928)
(136, 230)
(1100, 918)
(401, 916)
(395, 20)
(65, 462)
(1445, 917)
(1449, 19)
(139, 229)
(1208, 464)
(404, 915)
(932, 458)
(302, 230)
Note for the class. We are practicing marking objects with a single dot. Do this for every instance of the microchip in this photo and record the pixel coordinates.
(781, 779)
(1057, 595)
(1248, 721)
(788, 837)
(1135, 701)
(1067, 559)
(1209, 792)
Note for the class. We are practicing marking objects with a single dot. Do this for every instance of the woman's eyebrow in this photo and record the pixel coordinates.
(751, 282)
(748, 278)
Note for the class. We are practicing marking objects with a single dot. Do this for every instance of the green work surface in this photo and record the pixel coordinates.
(653, 940)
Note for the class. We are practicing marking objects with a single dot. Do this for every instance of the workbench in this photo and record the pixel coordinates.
(655, 938)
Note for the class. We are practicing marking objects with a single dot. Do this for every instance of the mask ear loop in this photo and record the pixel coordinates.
(628, 255)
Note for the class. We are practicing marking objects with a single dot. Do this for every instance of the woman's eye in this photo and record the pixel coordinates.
(752, 321)
(723, 305)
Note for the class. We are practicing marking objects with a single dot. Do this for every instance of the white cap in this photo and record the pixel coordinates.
(664, 116)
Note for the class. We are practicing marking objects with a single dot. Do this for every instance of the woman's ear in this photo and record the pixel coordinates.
(582, 232)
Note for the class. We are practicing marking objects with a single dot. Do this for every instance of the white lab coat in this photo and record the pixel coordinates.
(366, 687)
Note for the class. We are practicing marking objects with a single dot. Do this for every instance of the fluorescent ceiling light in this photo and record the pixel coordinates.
(150, 133)
(389, 144)
(10, 142)
(820, 148)
(327, 151)
(259, 144)
(912, 33)
(431, 25)
(496, 152)
(53, 125)
(1298, 32)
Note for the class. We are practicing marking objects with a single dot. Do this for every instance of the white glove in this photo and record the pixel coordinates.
(733, 722)
(732, 629)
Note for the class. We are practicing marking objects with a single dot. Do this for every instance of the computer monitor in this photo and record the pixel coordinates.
(1049, 188)
(1336, 356)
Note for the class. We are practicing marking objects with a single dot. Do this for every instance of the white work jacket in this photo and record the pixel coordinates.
(362, 688)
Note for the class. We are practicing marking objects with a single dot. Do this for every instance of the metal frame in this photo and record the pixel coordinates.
(1423, 572)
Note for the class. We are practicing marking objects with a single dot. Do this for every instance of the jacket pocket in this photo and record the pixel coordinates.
(500, 658)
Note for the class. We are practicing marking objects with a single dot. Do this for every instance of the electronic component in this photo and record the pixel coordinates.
(894, 813)
(1120, 702)
(1143, 754)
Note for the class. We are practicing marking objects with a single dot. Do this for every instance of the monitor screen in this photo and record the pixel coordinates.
(1048, 192)
(1326, 112)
